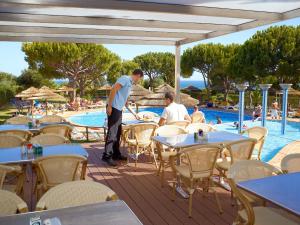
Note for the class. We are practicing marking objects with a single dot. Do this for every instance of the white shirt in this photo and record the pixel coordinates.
(174, 112)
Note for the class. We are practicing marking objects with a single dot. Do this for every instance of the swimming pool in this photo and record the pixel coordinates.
(98, 118)
(274, 142)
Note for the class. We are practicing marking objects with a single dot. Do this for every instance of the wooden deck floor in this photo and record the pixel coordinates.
(141, 190)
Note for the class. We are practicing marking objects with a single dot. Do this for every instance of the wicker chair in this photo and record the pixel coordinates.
(260, 134)
(48, 139)
(18, 120)
(248, 215)
(24, 134)
(235, 151)
(52, 119)
(164, 152)
(195, 127)
(11, 204)
(10, 141)
(60, 129)
(291, 163)
(142, 140)
(57, 169)
(75, 193)
(199, 170)
(182, 124)
(198, 117)
(251, 169)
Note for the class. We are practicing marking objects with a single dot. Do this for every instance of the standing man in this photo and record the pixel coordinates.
(116, 101)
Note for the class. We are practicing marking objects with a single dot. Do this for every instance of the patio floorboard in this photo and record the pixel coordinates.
(140, 189)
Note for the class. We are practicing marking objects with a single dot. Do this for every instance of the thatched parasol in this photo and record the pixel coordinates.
(292, 91)
(158, 100)
(105, 87)
(191, 88)
(28, 93)
(46, 94)
(138, 92)
(167, 88)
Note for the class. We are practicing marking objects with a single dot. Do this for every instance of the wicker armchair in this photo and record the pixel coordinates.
(52, 119)
(248, 215)
(75, 193)
(195, 127)
(11, 204)
(291, 163)
(182, 124)
(164, 152)
(48, 139)
(10, 141)
(57, 169)
(198, 171)
(235, 151)
(198, 117)
(60, 129)
(251, 169)
(24, 134)
(18, 120)
(142, 140)
(260, 134)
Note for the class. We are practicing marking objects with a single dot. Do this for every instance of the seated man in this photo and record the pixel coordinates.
(173, 111)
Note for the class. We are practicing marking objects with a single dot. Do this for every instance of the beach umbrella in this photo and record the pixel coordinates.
(27, 93)
(191, 88)
(47, 95)
(158, 100)
(105, 87)
(137, 92)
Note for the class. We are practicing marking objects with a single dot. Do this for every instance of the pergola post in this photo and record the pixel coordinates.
(264, 88)
(241, 88)
(177, 72)
(285, 90)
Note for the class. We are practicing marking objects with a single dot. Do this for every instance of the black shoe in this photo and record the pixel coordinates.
(109, 161)
(119, 157)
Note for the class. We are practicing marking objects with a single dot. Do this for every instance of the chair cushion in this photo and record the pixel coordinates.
(141, 144)
(268, 216)
(185, 172)
(223, 164)
(166, 155)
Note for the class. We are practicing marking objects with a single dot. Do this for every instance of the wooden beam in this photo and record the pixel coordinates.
(43, 38)
(85, 31)
(291, 14)
(101, 21)
(152, 7)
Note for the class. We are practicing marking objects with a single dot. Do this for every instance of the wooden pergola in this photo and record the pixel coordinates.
(152, 22)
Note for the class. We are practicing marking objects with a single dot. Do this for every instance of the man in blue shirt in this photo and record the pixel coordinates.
(116, 101)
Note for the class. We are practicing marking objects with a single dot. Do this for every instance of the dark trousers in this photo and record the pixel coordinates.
(112, 142)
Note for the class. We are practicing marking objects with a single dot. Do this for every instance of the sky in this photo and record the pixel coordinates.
(12, 57)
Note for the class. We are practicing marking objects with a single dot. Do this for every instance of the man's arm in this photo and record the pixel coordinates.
(162, 121)
(111, 97)
(131, 110)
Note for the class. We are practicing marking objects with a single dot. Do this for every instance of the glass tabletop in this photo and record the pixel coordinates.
(281, 190)
(187, 140)
(24, 126)
(14, 155)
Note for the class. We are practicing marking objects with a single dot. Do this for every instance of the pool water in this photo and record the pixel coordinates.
(98, 118)
(274, 142)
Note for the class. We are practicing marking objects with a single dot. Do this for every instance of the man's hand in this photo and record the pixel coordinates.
(137, 117)
(108, 110)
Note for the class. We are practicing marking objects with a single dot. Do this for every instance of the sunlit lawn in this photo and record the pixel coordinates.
(5, 113)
